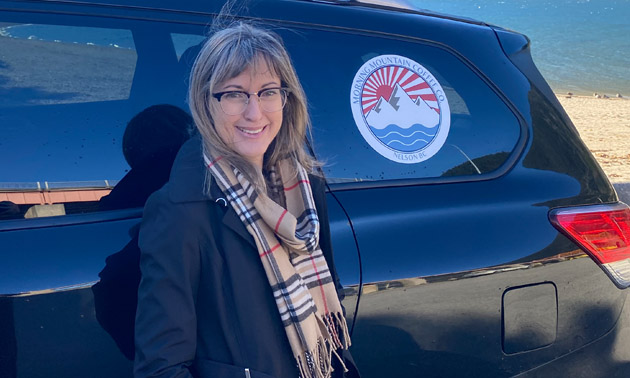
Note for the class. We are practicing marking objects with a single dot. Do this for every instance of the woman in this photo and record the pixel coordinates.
(234, 280)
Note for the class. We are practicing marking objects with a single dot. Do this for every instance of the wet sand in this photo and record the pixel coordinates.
(604, 125)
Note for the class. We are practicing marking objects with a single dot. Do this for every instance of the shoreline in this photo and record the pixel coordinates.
(590, 92)
(594, 95)
(604, 126)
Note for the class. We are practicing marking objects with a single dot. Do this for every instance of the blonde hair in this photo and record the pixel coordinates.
(225, 55)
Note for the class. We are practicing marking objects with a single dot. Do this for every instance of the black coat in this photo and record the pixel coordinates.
(205, 307)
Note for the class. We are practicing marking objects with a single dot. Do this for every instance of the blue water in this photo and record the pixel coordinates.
(91, 36)
(76, 34)
(582, 46)
(407, 140)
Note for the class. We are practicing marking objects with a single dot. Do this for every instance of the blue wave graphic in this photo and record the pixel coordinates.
(405, 140)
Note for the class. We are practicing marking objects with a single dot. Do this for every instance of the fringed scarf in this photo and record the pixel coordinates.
(287, 238)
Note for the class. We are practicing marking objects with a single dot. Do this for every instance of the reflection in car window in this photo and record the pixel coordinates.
(61, 89)
(82, 112)
(182, 42)
(92, 116)
(52, 64)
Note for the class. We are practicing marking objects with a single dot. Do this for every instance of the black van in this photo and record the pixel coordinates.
(474, 233)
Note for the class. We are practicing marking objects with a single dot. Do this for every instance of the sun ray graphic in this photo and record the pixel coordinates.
(381, 84)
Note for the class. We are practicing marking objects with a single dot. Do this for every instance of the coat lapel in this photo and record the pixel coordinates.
(232, 221)
(188, 174)
(230, 218)
(187, 182)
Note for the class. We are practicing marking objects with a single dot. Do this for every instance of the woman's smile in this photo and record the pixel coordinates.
(251, 132)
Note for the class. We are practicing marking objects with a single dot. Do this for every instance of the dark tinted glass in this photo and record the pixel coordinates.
(92, 112)
(483, 131)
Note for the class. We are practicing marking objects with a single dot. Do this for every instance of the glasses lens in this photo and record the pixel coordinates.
(233, 103)
(273, 99)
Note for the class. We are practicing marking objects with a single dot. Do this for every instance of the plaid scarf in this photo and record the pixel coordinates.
(288, 245)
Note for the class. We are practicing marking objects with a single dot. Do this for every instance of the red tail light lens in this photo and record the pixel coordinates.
(603, 231)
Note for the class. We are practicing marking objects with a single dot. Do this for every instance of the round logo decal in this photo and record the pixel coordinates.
(400, 109)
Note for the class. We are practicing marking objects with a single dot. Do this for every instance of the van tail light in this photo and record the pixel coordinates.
(603, 231)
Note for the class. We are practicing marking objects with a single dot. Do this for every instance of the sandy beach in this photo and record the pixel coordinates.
(604, 124)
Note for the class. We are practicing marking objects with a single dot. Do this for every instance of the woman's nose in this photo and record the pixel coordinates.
(253, 111)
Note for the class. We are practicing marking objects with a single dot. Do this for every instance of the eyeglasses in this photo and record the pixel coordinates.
(235, 102)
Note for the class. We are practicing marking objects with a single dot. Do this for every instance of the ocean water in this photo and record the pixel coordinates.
(76, 34)
(581, 46)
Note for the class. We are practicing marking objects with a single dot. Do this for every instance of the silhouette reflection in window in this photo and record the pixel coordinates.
(150, 144)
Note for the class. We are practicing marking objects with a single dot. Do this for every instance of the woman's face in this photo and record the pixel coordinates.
(251, 132)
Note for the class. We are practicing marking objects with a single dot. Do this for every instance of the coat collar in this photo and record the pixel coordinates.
(188, 175)
(188, 180)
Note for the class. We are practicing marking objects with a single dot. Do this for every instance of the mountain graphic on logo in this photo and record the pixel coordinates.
(402, 111)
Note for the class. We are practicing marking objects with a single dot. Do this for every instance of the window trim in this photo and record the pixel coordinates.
(70, 219)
